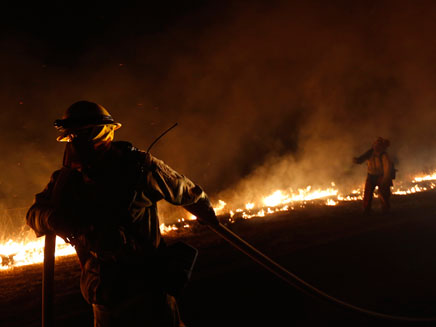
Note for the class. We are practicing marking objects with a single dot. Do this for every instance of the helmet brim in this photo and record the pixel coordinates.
(65, 133)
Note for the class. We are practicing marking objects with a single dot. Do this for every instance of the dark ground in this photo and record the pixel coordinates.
(382, 263)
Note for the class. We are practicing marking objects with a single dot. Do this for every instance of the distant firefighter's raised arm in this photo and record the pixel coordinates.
(365, 156)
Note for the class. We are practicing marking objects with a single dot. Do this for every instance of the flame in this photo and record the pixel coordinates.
(414, 189)
(29, 249)
(431, 177)
(275, 199)
(279, 198)
(220, 206)
(166, 229)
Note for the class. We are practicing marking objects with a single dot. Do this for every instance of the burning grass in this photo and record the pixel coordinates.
(25, 248)
(354, 257)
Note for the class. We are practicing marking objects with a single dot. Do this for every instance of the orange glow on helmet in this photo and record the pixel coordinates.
(82, 115)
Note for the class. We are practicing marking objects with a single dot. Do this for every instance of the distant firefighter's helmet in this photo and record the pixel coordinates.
(381, 144)
(82, 115)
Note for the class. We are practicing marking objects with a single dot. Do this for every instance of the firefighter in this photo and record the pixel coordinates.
(380, 174)
(103, 201)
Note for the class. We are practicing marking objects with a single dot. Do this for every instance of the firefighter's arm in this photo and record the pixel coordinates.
(363, 157)
(43, 217)
(177, 189)
(41, 212)
(203, 210)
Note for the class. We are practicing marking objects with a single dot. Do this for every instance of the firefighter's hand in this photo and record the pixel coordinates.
(204, 212)
(64, 225)
(209, 219)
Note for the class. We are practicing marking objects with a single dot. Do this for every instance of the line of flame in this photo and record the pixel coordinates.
(29, 250)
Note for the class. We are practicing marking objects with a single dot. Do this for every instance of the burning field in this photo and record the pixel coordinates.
(26, 249)
(380, 262)
(273, 100)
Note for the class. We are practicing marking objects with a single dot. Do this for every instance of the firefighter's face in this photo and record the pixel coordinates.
(379, 146)
(82, 135)
(87, 141)
(91, 135)
(82, 142)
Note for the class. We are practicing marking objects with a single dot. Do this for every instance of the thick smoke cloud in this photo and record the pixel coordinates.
(267, 96)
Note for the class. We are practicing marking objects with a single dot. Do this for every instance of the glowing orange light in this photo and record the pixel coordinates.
(28, 249)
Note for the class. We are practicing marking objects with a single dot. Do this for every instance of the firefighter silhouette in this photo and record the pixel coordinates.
(381, 172)
(107, 209)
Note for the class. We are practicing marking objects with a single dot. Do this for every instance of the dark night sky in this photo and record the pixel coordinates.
(268, 94)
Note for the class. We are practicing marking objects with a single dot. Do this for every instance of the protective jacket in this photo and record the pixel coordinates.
(381, 172)
(108, 212)
(378, 165)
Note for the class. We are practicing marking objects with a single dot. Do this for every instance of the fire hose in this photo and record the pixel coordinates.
(302, 285)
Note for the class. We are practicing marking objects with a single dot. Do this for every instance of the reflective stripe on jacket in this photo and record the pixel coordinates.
(379, 165)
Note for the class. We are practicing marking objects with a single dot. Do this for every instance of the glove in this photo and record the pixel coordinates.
(204, 212)
(64, 225)
(208, 219)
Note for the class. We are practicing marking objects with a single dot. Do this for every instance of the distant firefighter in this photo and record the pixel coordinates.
(103, 201)
(381, 172)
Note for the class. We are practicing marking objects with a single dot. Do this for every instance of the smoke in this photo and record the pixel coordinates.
(267, 95)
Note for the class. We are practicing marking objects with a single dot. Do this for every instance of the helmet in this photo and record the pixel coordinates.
(83, 114)
(381, 144)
